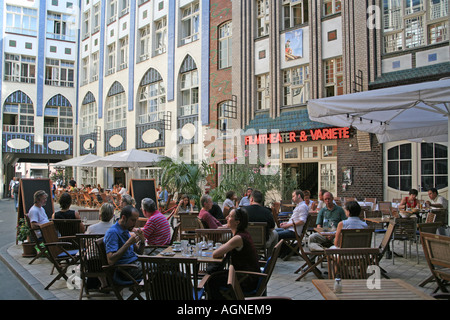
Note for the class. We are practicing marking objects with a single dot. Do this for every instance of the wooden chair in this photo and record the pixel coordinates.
(351, 263)
(118, 284)
(373, 200)
(40, 248)
(67, 229)
(384, 245)
(437, 253)
(356, 238)
(385, 207)
(312, 258)
(95, 201)
(235, 291)
(405, 230)
(441, 215)
(60, 257)
(257, 231)
(171, 278)
(265, 274)
(430, 227)
(347, 199)
(88, 199)
(188, 224)
(216, 235)
(275, 211)
(90, 262)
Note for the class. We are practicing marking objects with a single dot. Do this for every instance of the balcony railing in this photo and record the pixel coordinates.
(58, 131)
(18, 129)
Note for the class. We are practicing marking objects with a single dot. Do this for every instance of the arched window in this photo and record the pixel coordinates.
(152, 98)
(116, 107)
(58, 116)
(88, 114)
(18, 113)
(189, 88)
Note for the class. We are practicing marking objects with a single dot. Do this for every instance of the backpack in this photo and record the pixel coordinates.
(16, 187)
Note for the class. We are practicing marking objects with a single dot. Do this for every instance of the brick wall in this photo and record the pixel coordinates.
(367, 168)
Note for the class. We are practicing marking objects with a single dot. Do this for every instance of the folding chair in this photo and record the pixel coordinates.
(384, 245)
(437, 254)
(171, 278)
(67, 229)
(40, 248)
(188, 224)
(356, 238)
(257, 231)
(312, 258)
(112, 272)
(351, 263)
(61, 258)
(405, 230)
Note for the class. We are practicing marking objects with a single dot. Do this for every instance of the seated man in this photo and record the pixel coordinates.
(258, 213)
(329, 216)
(121, 245)
(436, 201)
(204, 215)
(37, 213)
(157, 228)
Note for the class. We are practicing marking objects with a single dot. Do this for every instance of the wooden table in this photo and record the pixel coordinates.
(325, 233)
(206, 255)
(378, 220)
(390, 289)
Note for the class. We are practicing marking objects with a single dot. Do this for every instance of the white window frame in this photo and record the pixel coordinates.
(21, 20)
(190, 23)
(262, 17)
(116, 111)
(59, 72)
(123, 53)
(111, 62)
(331, 7)
(225, 45)
(94, 66)
(296, 84)
(144, 43)
(334, 76)
(263, 92)
(152, 102)
(88, 118)
(189, 93)
(161, 36)
(294, 13)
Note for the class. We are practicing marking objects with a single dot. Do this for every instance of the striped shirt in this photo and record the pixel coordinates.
(157, 229)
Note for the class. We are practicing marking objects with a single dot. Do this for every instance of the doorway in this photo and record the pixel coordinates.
(306, 176)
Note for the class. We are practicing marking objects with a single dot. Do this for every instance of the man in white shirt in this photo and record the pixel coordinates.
(436, 201)
(37, 212)
(122, 190)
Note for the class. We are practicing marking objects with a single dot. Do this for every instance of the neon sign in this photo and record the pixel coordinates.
(299, 136)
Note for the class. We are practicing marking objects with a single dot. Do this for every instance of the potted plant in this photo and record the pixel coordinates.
(23, 233)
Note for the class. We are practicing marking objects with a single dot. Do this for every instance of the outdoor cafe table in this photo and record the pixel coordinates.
(206, 256)
(358, 289)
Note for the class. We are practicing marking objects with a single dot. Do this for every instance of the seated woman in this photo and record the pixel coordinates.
(106, 216)
(242, 253)
(65, 200)
(184, 206)
(352, 211)
(410, 201)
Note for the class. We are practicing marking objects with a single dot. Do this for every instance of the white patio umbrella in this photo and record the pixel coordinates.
(78, 161)
(417, 111)
(129, 159)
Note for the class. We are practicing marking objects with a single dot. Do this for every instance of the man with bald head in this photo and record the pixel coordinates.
(329, 217)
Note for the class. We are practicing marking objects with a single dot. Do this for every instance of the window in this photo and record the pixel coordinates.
(59, 72)
(112, 11)
(328, 177)
(86, 24)
(262, 17)
(161, 36)
(88, 118)
(331, 7)
(94, 67)
(85, 71)
(190, 23)
(225, 45)
(414, 32)
(145, 42)
(310, 152)
(111, 62)
(291, 153)
(433, 166)
(438, 32)
(20, 68)
(263, 92)
(438, 9)
(58, 120)
(295, 13)
(224, 124)
(400, 167)
(21, 20)
(152, 99)
(60, 26)
(123, 57)
(18, 115)
(334, 78)
(404, 23)
(296, 86)
(124, 7)
(116, 111)
(96, 18)
(189, 93)
(329, 151)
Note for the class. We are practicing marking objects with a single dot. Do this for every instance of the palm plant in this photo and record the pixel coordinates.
(181, 177)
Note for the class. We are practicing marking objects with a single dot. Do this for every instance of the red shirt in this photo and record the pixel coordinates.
(157, 229)
(207, 217)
